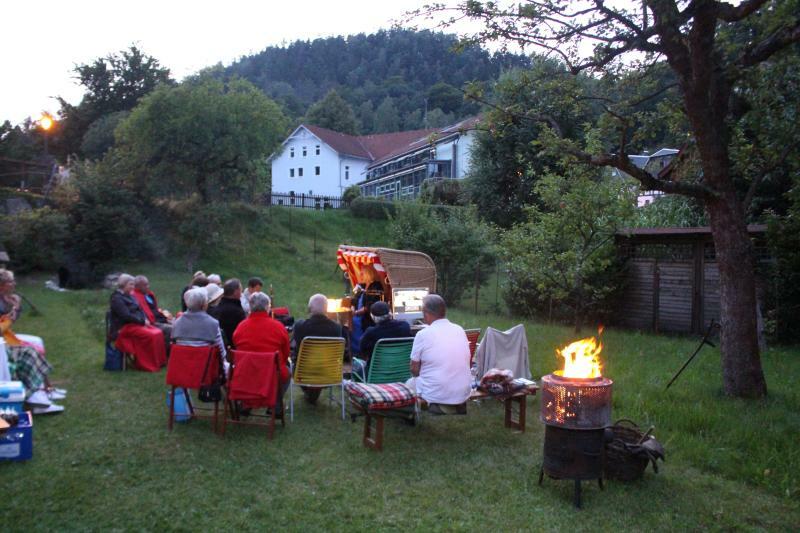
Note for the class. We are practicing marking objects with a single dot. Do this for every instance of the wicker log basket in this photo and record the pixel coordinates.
(628, 450)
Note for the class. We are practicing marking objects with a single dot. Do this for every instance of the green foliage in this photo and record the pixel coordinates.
(459, 244)
(351, 193)
(783, 276)
(334, 113)
(436, 118)
(508, 157)
(35, 239)
(670, 211)
(442, 192)
(108, 221)
(203, 136)
(99, 138)
(113, 83)
(363, 207)
(408, 66)
(561, 260)
(387, 118)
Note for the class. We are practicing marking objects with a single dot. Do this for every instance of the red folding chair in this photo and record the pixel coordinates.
(472, 337)
(254, 380)
(191, 367)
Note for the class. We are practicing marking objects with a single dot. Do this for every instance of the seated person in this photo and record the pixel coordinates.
(440, 359)
(199, 279)
(253, 285)
(316, 325)
(214, 293)
(131, 329)
(229, 311)
(215, 278)
(26, 361)
(196, 327)
(149, 305)
(385, 328)
(260, 333)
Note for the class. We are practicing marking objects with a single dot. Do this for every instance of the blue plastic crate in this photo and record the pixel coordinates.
(12, 395)
(17, 443)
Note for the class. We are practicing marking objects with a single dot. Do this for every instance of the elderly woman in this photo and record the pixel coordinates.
(261, 333)
(26, 359)
(196, 327)
(132, 330)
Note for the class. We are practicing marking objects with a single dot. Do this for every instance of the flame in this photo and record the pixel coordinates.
(581, 359)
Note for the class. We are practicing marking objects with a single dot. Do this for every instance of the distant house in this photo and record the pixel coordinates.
(654, 164)
(317, 161)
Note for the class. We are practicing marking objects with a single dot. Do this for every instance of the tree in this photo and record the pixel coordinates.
(203, 136)
(710, 47)
(563, 256)
(99, 137)
(445, 97)
(457, 241)
(113, 83)
(387, 119)
(334, 113)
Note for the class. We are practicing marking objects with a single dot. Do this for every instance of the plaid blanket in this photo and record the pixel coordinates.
(28, 366)
(381, 396)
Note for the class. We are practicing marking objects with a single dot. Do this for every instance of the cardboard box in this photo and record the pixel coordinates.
(17, 443)
(12, 395)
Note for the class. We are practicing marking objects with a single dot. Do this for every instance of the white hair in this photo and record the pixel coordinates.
(123, 280)
(259, 302)
(195, 299)
(318, 304)
(215, 278)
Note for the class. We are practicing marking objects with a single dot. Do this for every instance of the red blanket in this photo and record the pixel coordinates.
(146, 343)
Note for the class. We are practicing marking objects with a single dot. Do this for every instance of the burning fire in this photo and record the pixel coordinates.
(581, 359)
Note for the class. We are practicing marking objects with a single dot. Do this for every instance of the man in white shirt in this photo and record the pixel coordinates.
(440, 357)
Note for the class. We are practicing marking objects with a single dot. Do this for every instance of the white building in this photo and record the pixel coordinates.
(315, 161)
(654, 164)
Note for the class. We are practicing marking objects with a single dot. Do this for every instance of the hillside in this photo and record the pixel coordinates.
(400, 65)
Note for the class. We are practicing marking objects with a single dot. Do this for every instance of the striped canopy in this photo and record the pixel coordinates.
(395, 268)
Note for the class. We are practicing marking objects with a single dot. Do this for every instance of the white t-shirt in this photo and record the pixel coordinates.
(443, 350)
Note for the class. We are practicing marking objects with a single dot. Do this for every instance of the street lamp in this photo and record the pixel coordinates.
(46, 122)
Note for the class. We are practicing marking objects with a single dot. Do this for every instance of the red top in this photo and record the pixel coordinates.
(260, 333)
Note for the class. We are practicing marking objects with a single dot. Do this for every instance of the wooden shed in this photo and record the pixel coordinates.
(672, 278)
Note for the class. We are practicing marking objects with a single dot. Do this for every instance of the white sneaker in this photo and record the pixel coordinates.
(39, 398)
(55, 395)
(59, 391)
(50, 409)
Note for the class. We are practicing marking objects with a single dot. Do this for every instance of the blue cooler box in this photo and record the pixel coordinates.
(12, 395)
(17, 443)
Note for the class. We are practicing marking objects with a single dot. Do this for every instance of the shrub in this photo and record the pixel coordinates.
(372, 208)
(351, 193)
(442, 192)
(35, 239)
(454, 238)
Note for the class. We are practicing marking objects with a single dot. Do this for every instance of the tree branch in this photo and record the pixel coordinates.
(731, 13)
(776, 42)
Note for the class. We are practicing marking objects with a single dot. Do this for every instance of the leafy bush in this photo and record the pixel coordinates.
(562, 260)
(351, 193)
(443, 192)
(35, 239)
(455, 239)
(372, 208)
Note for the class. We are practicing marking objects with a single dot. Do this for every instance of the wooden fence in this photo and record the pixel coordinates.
(305, 201)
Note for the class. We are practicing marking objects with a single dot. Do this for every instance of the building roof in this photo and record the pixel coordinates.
(423, 140)
(701, 230)
(370, 147)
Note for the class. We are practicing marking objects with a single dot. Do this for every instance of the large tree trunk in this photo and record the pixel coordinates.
(741, 362)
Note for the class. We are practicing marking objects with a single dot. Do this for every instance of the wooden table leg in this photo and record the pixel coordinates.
(376, 442)
(519, 423)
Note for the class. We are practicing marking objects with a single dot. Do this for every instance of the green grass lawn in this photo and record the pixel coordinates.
(109, 462)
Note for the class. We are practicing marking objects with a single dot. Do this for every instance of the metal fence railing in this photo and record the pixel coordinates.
(304, 201)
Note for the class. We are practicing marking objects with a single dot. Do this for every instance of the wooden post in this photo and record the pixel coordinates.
(656, 288)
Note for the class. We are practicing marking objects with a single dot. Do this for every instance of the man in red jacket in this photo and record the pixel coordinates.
(260, 333)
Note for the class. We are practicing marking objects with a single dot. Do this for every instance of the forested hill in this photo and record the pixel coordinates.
(386, 77)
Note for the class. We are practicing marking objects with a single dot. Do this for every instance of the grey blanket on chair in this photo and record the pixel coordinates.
(504, 349)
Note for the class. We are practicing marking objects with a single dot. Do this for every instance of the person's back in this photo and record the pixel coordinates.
(385, 327)
(316, 325)
(229, 311)
(440, 357)
(260, 333)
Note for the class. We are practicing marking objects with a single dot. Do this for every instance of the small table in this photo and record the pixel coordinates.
(518, 397)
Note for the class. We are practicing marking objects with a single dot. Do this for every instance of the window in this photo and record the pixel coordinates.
(304, 151)
(316, 150)
(291, 172)
(347, 173)
(291, 152)
(300, 172)
(316, 171)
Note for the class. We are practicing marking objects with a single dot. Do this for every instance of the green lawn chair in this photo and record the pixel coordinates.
(390, 361)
